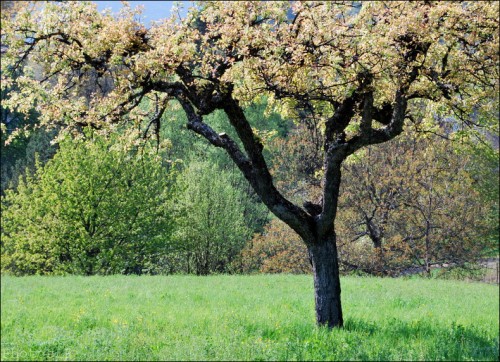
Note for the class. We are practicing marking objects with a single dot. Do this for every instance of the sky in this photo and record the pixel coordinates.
(153, 10)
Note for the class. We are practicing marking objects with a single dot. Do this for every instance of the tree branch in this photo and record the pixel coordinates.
(260, 177)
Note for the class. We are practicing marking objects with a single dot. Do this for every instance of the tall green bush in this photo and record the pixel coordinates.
(211, 228)
(98, 207)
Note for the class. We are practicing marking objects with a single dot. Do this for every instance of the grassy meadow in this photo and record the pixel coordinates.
(263, 317)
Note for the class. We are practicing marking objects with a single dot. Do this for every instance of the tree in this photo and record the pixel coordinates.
(415, 200)
(95, 208)
(361, 68)
(20, 156)
(211, 228)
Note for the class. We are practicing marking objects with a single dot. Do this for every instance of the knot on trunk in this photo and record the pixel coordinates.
(312, 208)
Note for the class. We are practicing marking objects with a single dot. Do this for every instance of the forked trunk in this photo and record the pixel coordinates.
(324, 260)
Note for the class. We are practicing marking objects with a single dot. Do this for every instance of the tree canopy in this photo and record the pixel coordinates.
(350, 64)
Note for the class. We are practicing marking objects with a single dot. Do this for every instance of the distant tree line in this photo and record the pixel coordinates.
(89, 204)
(99, 205)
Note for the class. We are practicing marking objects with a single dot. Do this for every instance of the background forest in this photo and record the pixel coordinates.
(90, 204)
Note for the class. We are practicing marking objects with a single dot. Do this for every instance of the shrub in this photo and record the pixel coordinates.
(277, 250)
(98, 207)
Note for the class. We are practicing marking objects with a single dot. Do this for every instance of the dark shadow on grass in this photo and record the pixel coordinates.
(450, 342)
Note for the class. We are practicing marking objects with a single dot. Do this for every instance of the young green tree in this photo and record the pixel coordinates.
(95, 208)
(211, 228)
(360, 67)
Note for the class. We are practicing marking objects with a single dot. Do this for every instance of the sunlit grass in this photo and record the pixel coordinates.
(244, 318)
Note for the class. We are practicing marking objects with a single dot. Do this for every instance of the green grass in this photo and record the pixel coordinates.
(244, 318)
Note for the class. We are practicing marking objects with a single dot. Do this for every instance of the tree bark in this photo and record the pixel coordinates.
(325, 266)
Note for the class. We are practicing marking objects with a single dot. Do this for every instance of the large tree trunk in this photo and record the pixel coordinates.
(324, 260)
